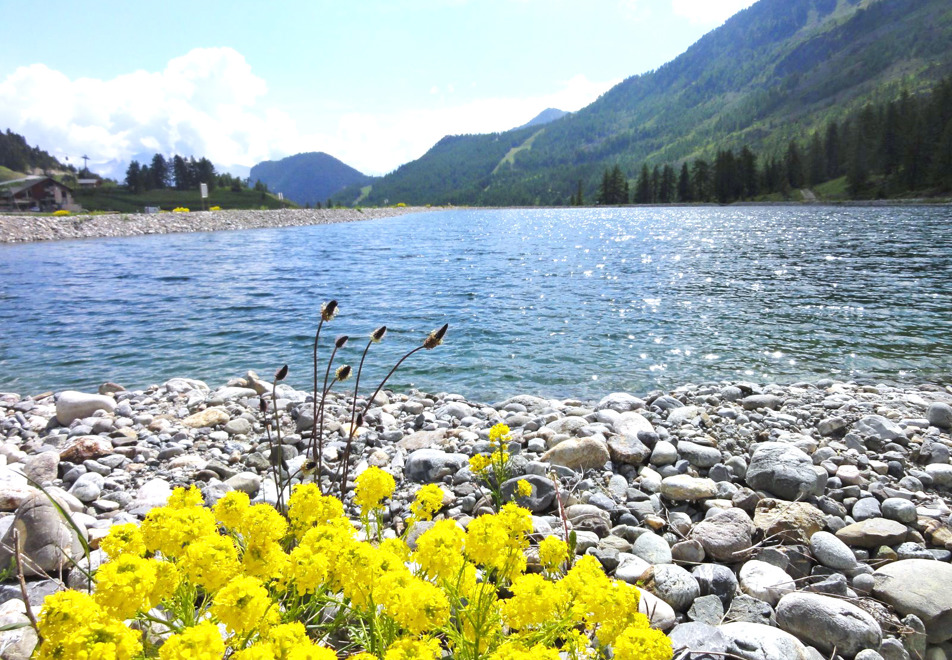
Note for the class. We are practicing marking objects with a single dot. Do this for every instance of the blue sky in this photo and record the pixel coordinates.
(374, 83)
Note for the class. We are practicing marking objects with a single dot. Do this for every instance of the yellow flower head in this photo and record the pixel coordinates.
(553, 553)
(308, 570)
(124, 586)
(440, 550)
(230, 509)
(479, 463)
(429, 500)
(498, 435)
(307, 507)
(170, 530)
(642, 643)
(123, 539)
(516, 651)
(523, 488)
(199, 642)
(183, 498)
(373, 486)
(417, 606)
(211, 561)
(413, 649)
(266, 562)
(262, 524)
(535, 601)
(242, 604)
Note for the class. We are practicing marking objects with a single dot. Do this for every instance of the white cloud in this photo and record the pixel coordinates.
(202, 104)
(708, 12)
(209, 103)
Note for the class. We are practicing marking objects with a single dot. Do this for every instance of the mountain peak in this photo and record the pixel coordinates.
(545, 117)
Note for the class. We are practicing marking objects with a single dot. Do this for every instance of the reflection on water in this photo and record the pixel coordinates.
(568, 302)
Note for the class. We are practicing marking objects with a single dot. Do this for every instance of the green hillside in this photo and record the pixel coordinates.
(775, 72)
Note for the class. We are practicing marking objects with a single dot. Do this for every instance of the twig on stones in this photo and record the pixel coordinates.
(22, 580)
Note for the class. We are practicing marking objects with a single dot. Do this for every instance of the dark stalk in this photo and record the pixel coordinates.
(375, 337)
(339, 343)
(277, 457)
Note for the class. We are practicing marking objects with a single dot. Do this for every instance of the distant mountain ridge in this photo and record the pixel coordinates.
(308, 178)
(773, 72)
(547, 116)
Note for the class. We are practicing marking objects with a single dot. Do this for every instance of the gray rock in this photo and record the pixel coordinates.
(652, 548)
(716, 580)
(672, 584)
(659, 613)
(88, 487)
(542, 497)
(832, 552)
(699, 638)
(880, 428)
(620, 402)
(72, 405)
(685, 488)
(781, 469)
(247, 482)
(920, 587)
(756, 641)
(941, 474)
(431, 465)
(749, 609)
(46, 540)
(627, 450)
(756, 401)
(707, 609)
(726, 536)
(664, 453)
(238, 426)
(688, 552)
(631, 424)
(899, 509)
(765, 581)
(940, 414)
(699, 455)
(866, 508)
(42, 468)
(828, 623)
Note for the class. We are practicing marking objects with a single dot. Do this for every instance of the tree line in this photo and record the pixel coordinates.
(892, 149)
(178, 173)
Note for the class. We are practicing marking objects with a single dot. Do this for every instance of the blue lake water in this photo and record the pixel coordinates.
(566, 302)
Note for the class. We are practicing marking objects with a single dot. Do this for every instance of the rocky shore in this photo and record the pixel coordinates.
(27, 228)
(805, 521)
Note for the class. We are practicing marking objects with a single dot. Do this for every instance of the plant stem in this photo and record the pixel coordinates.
(320, 435)
(22, 580)
(353, 416)
(317, 336)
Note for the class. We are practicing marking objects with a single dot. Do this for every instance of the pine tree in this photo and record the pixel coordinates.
(685, 194)
(643, 186)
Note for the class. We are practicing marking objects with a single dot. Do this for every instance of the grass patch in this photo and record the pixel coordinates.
(6, 174)
(123, 201)
(834, 190)
(364, 193)
(510, 158)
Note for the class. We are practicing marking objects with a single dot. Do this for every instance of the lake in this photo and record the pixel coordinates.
(554, 302)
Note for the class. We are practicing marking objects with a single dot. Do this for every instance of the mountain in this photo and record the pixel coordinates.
(547, 116)
(17, 155)
(776, 71)
(308, 178)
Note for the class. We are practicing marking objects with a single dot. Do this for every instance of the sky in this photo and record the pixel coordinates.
(375, 83)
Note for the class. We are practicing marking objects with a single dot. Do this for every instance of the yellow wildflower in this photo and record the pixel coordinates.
(535, 601)
(523, 488)
(479, 463)
(373, 485)
(309, 651)
(125, 585)
(123, 539)
(417, 606)
(498, 434)
(307, 507)
(199, 642)
(262, 524)
(211, 561)
(308, 569)
(428, 501)
(184, 498)
(241, 604)
(170, 530)
(439, 550)
(515, 651)
(642, 643)
(230, 509)
(267, 562)
(413, 649)
(553, 553)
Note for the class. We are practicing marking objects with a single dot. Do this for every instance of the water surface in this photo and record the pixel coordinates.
(566, 302)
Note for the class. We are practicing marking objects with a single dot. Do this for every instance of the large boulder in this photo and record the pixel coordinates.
(539, 500)
(880, 428)
(725, 536)
(431, 465)
(920, 587)
(583, 454)
(72, 405)
(47, 541)
(790, 522)
(828, 623)
(627, 449)
(758, 641)
(782, 470)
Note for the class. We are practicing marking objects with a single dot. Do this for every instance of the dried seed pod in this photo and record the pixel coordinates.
(329, 310)
(343, 373)
(341, 341)
(281, 373)
(435, 338)
(378, 334)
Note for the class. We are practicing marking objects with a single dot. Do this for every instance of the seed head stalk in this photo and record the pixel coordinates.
(328, 312)
(338, 344)
(375, 338)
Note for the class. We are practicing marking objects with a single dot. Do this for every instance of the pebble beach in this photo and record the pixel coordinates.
(809, 520)
(28, 228)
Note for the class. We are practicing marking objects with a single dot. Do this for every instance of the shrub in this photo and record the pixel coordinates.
(61, 212)
(180, 209)
(215, 208)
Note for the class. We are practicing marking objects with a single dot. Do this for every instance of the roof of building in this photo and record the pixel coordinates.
(14, 186)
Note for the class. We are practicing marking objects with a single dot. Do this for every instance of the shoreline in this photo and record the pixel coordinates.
(730, 505)
(30, 229)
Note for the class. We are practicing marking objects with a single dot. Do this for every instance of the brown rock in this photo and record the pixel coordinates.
(583, 454)
(873, 533)
(423, 440)
(86, 447)
(791, 522)
(207, 418)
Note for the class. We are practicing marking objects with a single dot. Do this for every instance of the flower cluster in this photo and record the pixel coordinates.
(180, 209)
(60, 212)
(242, 581)
(495, 468)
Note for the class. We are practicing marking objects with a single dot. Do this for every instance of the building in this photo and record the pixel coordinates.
(35, 193)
